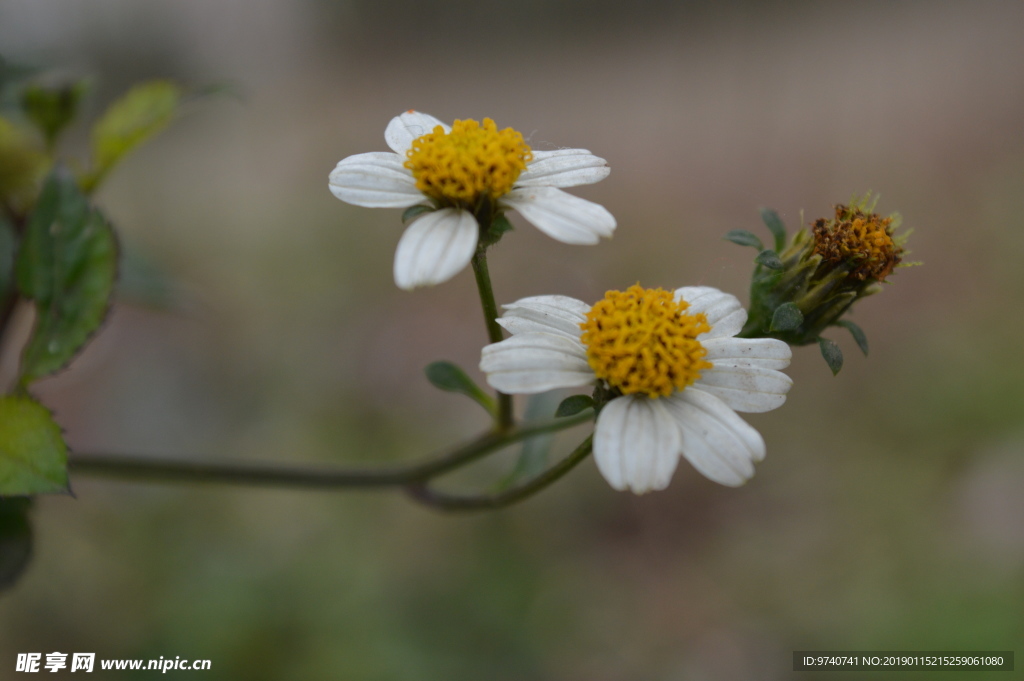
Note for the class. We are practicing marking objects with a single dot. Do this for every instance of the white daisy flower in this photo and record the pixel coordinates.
(466, 172)
(676, 373)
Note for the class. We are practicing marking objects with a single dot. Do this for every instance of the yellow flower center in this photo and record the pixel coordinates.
(471, 162)
(642, 341)
(858, 237)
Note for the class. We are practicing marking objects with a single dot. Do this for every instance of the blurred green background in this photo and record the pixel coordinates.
(888, 513)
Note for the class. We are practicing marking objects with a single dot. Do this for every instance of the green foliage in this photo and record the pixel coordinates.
(775, 226)
(450, 378)
(67, 265)
(832, 353)
(787, 317)
(142, 112)
(52, 109)
(857, 333)
(33, 456)
(769, 259)
(15, 540)
(744, 238)
(22, 166)
(573, 405)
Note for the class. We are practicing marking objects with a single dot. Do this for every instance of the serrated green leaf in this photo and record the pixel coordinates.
(857, 333)
(769, 259)
(744, 238)
(573, 405)
(413, 212)
(832, 353)
(33, 456)
(67, 265)
(786, 317)
(450, 378)
(775, 226)
(15, 540)
(142, 112)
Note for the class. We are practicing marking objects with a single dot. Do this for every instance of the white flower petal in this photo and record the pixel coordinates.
(550, 314)
(749, 389)
(719, 444)
(766, 353)
(535, 362)
(724, 312)
(563, 168)
(406, 127)
(374, 180)
(435, 247)
(636, 444)
(562, 216)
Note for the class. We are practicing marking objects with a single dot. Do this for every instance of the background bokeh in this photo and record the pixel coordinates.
(259, 319)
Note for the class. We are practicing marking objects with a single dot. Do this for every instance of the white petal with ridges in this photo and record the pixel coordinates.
(563, 168)
(636, 444)
(550, 314)
(535, 362)
(435, 247)
(745, 388)
(767, 353)
(724, 312)
(562, 216)
(719, 444)
(406, 127)
(376, 179)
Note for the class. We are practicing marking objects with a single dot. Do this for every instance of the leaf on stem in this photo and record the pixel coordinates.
(67, 265)
(450, 378)
(857, 333)
(832, 353)
(744, 238)
(775, 226)
(786, 317)
(769, 259)
(33, 456)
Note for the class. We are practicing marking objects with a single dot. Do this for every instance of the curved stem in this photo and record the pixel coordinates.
(483, 284)
(424, 494)
(322, 477)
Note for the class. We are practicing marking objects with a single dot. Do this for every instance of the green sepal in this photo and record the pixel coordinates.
(832, 353)
(15, 540)
(744, 238)
(499, 226)
(769, 259)
(67, 264)
(573, 405)
(786, 317)
(413, 212)
(450, 378)
(52, 109)
(857, 333)
(142, 112)
(33, 456)
(775, 226)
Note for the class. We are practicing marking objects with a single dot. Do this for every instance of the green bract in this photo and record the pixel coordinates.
(33, 456)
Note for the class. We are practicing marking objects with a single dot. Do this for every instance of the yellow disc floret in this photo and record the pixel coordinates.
(471, 162)
(642, 341)
(862, 239)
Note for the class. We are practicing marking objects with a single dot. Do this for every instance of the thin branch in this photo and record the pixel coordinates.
(494, 332)
(316, 477)
(444, 501)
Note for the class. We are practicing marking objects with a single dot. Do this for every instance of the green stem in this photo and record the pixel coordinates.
(494, 332)
(424, 494)
(322, 477)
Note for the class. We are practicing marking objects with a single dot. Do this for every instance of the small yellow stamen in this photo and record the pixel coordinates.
(471, 162)
(642, 341)
(858, 237)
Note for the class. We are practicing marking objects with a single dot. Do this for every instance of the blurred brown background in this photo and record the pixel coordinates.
(888, 514)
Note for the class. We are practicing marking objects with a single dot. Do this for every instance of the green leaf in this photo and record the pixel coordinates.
(775, 226)
(15, 540)
(857, 333)
(413, 212)
(744, 238)
(142, 112)
(450, 378)
(573, 405)
(769, 259)
(786, 317)
(67, 264)
(52, 109)
(832, 353)
(33, 456)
